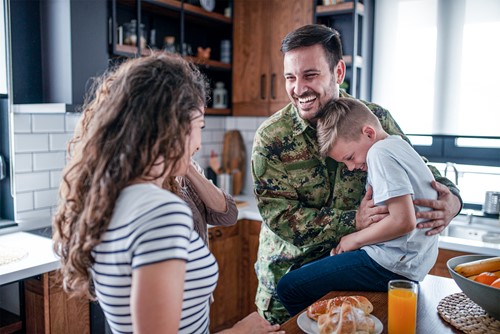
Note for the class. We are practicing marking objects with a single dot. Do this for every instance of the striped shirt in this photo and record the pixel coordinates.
(151, 225)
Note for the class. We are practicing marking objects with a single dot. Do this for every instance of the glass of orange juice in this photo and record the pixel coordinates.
(402, 311)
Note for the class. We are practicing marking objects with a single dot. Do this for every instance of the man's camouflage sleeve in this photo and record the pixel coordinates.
(298, 200)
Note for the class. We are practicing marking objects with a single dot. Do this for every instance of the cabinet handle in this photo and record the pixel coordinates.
(263, 86)
(210, 236)
(273, 83)
(218, 233)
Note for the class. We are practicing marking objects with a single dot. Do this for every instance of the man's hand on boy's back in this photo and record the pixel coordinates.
(443, 210)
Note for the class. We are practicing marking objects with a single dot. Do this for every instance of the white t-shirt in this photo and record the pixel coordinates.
(151, 225)
(395, 169)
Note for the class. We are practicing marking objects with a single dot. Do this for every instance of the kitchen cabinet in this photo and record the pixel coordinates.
(260, 25)
(354, 21)
(235, 248)
(188, 27)
(55, 48)
(440, 268)
(250, 243)
(225, 245)
(48, 309)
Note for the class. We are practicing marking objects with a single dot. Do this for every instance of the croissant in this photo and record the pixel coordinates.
(345, 319)
(322, 306)
(343, 315)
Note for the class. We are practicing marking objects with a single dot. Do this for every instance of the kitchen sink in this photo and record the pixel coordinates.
(472, 227)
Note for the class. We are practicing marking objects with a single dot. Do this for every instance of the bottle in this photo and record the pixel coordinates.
(225, 51)
(169, 44)
(220, 96)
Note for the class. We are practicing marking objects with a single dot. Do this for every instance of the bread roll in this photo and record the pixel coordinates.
(322, 306)
(343, 315)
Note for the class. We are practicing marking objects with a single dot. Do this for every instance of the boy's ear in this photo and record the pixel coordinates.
(369, 131)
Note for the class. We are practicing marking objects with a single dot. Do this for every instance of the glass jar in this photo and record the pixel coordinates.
(130, 34)
(220, 96)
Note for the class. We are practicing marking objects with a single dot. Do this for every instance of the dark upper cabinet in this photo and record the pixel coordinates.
(56, 48)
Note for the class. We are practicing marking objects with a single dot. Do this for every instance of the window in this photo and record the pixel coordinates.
(436, 68)
(436, 65)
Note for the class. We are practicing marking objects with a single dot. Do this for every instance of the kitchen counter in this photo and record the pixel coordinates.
(40, 258)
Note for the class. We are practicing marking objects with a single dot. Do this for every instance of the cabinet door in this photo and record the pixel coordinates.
(224, 243)
(286, 16)
(260, 25)
(250, 241)
(250, 62)
(48, 309)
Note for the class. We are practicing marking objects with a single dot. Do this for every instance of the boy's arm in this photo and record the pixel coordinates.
(400, 221)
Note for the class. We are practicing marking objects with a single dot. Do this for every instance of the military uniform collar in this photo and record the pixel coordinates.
(299, 125)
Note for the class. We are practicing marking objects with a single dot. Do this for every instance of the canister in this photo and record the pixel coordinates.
(492, 202)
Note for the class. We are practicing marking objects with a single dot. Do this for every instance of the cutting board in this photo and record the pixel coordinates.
(234, 159)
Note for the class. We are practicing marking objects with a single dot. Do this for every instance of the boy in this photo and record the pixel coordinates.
(392, 248)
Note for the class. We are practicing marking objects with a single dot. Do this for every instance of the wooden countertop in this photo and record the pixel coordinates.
(431, 290)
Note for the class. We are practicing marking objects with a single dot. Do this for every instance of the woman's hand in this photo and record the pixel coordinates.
(444, 209)
(254, 324)
(368, 213)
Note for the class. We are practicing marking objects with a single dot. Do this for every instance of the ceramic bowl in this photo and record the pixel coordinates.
(483, 295)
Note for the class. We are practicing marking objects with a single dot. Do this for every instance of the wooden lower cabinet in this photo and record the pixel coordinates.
(48, 309)
(235, 249)
(440, 268)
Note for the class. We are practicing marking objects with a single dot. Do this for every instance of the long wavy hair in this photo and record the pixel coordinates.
(140, 112)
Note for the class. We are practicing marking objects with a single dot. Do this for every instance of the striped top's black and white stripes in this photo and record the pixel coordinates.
(151, 225)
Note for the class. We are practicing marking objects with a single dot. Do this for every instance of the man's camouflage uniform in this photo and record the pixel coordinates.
(307, 202)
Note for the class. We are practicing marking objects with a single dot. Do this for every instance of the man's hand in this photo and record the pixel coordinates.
(443, 209)
(368, 213)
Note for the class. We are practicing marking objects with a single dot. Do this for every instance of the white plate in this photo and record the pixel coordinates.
(311, 327)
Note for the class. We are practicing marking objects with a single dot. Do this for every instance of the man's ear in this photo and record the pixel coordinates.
(340, 71)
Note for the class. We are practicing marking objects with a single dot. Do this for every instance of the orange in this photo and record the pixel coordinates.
(496, 283)
(486, 278)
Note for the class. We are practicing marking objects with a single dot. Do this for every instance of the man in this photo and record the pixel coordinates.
(307, 202)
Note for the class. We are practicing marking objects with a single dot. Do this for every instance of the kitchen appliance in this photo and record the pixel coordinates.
(492, 203)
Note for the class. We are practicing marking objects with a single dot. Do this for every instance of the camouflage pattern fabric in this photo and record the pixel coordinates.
(307, 202)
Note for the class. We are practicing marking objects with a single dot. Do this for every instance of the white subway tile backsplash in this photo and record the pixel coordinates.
(48, 123)
(23, 162)
(22, 123)
(45, 198)
(24, 201)
(59, 141)
(34, 214)
(24, 143)
(71, 121)
(48, 161)
(214, 123)
(31, 181)
(231, 123)
(40, 157)
(55, 178)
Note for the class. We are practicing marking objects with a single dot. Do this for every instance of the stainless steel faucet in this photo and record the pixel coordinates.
(453, 166)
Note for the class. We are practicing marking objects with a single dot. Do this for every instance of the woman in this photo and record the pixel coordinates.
(122, 238)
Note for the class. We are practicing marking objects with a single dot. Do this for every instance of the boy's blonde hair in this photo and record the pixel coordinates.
(343, 118)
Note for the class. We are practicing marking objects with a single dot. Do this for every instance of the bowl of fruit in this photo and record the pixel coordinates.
(479, 278)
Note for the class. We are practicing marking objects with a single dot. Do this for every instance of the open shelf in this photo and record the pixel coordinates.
(340, 8)
(130, 51)
(9, 322)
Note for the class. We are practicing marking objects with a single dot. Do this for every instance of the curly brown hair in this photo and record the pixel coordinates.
(141, 111)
